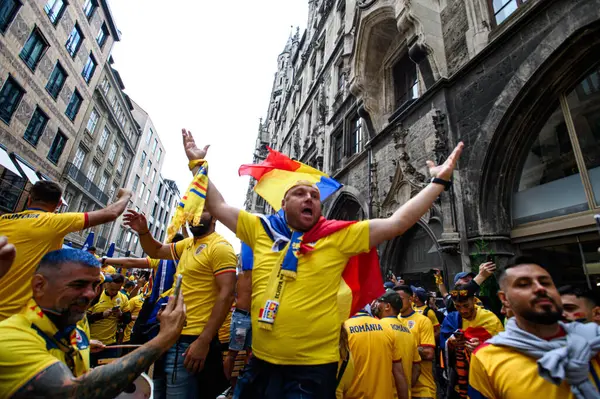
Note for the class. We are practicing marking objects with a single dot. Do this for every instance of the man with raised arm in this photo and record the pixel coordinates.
(193, 368)
(44, 353)
(295, 338)
(37, 231)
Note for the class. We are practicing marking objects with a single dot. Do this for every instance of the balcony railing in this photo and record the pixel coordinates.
(77, 175)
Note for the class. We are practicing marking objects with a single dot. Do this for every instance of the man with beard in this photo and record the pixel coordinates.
(580, 304)
(194, 366)
(295, 335)
(106, 315)
(45, 354)
(537, 355)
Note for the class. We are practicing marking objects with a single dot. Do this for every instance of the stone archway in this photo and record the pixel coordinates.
(558, 62)
(346, 207)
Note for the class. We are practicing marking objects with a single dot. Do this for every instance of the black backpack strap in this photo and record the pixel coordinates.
(342, 370)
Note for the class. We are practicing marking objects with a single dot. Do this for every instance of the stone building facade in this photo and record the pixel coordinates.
(374, 88)
(51, 58)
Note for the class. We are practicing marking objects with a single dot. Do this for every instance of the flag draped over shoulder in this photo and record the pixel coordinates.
(278, 172)
(190, 208)
(361, 280)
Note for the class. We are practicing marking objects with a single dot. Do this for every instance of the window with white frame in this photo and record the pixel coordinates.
(103, 181)
(104, 138)
(92, 122)
(91, 173)
(121, 163)
(113, 152)
(79, 157)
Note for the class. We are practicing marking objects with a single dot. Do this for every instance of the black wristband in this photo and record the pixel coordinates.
(446, 183)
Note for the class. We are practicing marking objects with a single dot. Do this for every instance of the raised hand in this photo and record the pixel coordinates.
(7, 255)
(191, 149)
(136, 221)
(444, 171)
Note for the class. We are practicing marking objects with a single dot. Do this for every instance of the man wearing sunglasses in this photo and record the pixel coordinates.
(461, 333)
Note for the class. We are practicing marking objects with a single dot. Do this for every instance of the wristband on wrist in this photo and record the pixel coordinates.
(446, 183)
(439, 280)
(196, 162)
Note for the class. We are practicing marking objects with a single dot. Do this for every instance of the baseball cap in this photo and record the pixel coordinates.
(392, 298)
(420, 293)
(388, 285)
(463, 275)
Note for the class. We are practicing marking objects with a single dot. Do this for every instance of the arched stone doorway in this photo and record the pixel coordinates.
(346, 207)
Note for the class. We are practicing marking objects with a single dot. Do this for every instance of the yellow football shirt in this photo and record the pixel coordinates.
(34, 233)
(24, 351)
(200, 261)
(108, 269)
(502, 373)
(135, 305)
(422, 329)
(305, 331)
(486, 319)
(406, 343)
(346, 380)
(430, 315)
(105, 330)
(373, 347)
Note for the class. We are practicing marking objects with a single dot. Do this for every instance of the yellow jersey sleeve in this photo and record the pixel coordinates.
(426, 332)
(153, 263)
(396, 344)
(223, 258)
(353, 239)
(64, 223)
(125, 306)
(23, 356)
(177, 248)
(248, 226)
(480, 386)
(433, 318)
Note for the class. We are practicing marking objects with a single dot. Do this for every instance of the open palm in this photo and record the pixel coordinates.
(444, 171)
(136, 221)
(191, 149)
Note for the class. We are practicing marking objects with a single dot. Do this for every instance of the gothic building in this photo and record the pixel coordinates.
(374, 88)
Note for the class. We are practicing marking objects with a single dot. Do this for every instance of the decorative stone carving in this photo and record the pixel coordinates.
(374, 189)
(364, 4)
(20, 29)
(441, 137)
(24, 112)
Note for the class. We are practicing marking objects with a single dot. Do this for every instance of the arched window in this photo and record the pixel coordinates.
(561, 174)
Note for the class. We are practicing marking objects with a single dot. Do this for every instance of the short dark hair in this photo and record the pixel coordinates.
(129, 283)
(177, 237)
(514, 262)
(404, 288)
(92, 248)
(55, 259)
(117, 278)
(580, 292)
(46, 192)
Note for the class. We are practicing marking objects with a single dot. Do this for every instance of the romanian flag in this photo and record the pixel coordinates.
(190, 208)
(361, 281)
(278, 172)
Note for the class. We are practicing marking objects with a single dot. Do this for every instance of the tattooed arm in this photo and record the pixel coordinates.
(57, 381)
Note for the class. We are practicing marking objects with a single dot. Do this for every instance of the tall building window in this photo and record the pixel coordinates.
(36, 126)
(103, 181)
(136, 181)
(74, 105)
(74, 41)
(340, 76)
(142, 191)
(91, 173)
(154, 145)
(89, 7)
(142, 159)
(56, 81)
(337, 140)
(57, 147)
(92, 122)
(153, 176)
(159, 155)
(34, 49)
(89, 68)
(103, 34)
(10, 96)
(148, 167)
(105, 86)
(147, 196)
(503, 8)
(55, 9)
(149, 137)
(79, 157)
(121, 163)
(113, 152)
(406, 85)
(104, 138)
(113, 189)
(356, 135)
(8, 11)
(83, 206)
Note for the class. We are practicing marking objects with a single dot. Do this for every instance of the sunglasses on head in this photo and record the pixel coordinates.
(462, 294)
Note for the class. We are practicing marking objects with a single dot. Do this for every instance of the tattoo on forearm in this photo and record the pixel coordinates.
(57, 381)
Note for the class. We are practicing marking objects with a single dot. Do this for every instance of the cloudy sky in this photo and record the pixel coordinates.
(207, 66)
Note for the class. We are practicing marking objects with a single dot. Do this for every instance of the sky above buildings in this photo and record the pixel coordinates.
(207, 66)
